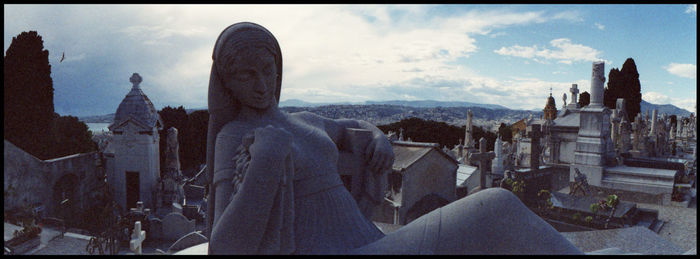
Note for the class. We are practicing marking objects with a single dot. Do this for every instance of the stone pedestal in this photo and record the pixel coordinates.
(593, 141)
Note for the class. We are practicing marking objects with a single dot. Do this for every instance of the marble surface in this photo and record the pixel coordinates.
(630, 240)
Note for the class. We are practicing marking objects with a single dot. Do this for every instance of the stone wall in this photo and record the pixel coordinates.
(30, 181)
(25, 178)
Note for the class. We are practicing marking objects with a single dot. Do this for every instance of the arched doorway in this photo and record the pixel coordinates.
(66, 199)
(426, 204)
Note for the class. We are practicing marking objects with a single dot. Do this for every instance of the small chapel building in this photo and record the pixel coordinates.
(132, 159)
(422, 179)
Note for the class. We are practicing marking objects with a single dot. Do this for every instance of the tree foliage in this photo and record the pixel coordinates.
(624, 84)
(30, 121)
(71, 136)
(505, 132)
(196, 138)
(420, 130)
(28, 95)
(584, 99)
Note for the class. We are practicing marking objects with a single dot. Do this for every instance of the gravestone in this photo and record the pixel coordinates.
(155, 228)
(176, 225)
(625, 131)
(468, 142)
(137, 238)
(533, 132)
(564, 99)
(615, 128)
(189, 240)
(497, 163)
(482, 157)
(172, 156)
(653, 129)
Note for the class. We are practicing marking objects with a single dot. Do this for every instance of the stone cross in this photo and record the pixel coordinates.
(497, 162)
(137, 238)
(483, 158)
(468, 131)
(574, 93)
(533, 132)
(135, 79)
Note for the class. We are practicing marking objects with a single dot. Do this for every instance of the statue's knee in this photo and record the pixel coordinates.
(498, 194)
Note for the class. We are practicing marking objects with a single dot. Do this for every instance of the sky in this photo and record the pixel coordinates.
(509, 55)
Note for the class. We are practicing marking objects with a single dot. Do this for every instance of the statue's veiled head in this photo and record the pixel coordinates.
(246, 69)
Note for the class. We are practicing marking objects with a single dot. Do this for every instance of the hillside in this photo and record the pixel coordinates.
(663, 108)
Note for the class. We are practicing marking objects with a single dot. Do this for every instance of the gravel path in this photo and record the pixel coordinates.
(681, 224)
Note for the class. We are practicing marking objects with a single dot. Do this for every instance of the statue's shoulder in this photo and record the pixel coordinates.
(309, 118)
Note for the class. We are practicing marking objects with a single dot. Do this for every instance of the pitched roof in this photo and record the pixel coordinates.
(407, 153)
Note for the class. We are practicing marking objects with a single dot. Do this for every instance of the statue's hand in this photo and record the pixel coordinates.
(380, 154)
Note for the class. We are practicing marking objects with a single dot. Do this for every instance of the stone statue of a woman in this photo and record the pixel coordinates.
(275, 186)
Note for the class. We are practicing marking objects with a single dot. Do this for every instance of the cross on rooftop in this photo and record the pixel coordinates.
(574, 92)
(483, 158)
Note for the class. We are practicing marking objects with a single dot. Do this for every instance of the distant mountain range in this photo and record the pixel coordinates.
(668, 109)
(291, 105)
(417, 104)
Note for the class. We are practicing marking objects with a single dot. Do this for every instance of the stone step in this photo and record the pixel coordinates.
(642, 172)
(657, 225)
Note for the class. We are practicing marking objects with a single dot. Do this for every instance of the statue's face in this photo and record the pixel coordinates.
(252, 78)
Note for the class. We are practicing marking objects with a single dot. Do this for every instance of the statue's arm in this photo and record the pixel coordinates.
(240, 222)
(379, 152)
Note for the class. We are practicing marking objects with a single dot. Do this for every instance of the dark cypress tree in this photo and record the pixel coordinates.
(195, 138)
(624, 84)
(584, 99)
(71, 136)
(28, 95)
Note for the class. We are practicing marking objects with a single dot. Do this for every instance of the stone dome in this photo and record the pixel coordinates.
(550, 110)
(550, 102)
(138, 107)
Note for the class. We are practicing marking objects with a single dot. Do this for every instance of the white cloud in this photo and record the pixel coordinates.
(331, 53)
(693, 8)
(564, 52)
(600, 26)
(659, 98)
(682, 70)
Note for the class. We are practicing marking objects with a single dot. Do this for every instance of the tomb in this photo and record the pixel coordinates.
(132, 157)
(422, 179)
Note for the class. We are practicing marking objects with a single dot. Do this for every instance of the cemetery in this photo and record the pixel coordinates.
(584, 179)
